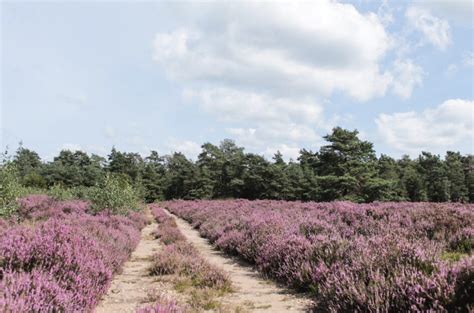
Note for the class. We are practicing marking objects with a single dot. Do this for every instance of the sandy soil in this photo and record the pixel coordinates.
(129, 289)
(252, 292)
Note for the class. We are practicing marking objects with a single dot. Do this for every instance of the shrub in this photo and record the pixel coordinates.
(34, 291)
(10, 189)
(164, 306)
(41, 207)
(66, 261)
(378, 257)
(170, 260)
(114, 194)
(179, 257)
(58, 192)
(168, 234)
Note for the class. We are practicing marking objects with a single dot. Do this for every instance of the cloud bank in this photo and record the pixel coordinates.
(435, 130)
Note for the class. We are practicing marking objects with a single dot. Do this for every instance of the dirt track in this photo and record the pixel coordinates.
(252, 291)
(129, 290)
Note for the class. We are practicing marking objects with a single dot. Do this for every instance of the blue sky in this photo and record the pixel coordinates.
(169, 76)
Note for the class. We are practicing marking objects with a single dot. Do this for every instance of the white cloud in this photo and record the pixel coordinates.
(466, 62)
(438, 129)
(452, 70)
(232, 105)
(468, 59)
(285, 47)
(189, 148)
(274, 132)
(407, 76)
(97, 149)
(457, 11)
(266, 68)
(288, 152)
(435, 30)
(71, 147)
(385, 13)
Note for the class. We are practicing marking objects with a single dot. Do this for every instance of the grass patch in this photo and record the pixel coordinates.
(199, 281)
(204, 299)
(453, 256)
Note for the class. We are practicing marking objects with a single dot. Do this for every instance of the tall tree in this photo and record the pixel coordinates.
(468, 166)
(434, 173)
(345, 165)
(29, 166)
(153, 177)
(181, 177)
(455, 173)
(411, 180)
(129, 164)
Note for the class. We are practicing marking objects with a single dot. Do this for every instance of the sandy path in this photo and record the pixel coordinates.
(128, 290)
(252, 292)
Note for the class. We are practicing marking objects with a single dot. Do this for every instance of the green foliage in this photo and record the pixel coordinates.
(60, 193)
(153, 174)
(10, 189)
(468, 168)
(344, 169)
(114, 193)
(73, 169)
(458, 190)
(379, 189)
(34, 180)
(433, 171)
(453, 256)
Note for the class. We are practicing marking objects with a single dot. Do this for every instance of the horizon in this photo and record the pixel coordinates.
(10, 153)
(172, 76)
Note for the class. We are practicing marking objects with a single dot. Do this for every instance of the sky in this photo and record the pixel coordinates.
(170, 76)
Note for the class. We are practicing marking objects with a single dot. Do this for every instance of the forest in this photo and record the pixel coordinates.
(346, 168)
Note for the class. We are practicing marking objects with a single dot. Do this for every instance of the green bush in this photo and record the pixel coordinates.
(114, 193)
(58, 192)
(9, 189)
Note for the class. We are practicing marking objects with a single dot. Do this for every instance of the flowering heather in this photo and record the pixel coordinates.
(40, 207)
(167, 231)
(168, 234)
(180, 257)
(353, 257)
(64, 263)
(160, 215)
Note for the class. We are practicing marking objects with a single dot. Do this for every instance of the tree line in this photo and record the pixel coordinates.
(347, 168)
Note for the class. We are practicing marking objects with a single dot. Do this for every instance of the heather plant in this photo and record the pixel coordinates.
(35, 291)
(73, 260)
(42, 207)
(180, 257)
(387, 257)
(65, 260)
(168, 234)
(159, 214)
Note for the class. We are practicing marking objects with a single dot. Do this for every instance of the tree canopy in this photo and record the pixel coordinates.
(346, 168)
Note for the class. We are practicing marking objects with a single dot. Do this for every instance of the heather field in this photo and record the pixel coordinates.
(62, 255)
(275, 156)
(378, 257)
(57, 257)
